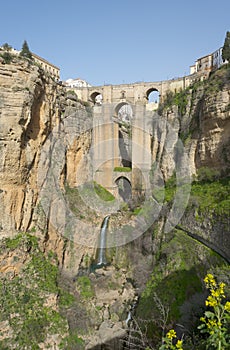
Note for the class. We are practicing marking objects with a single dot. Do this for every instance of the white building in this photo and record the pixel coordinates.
(208, 63)
(76, 83)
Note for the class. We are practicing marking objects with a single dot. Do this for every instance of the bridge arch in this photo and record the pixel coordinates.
(96, 97)
(124, 187)
(123, 108)
(152, 95)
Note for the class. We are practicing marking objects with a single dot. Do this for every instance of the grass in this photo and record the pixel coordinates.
(124, 169)
(103, 193)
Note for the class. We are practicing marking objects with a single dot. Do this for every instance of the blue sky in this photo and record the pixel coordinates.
(119, 41)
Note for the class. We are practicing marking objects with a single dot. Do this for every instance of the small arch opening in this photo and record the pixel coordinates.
(124, 188)
(153, 97)
(96, 97)
(124, 112)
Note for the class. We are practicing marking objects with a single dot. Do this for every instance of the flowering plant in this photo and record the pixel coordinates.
(217, 318)
(168, 342)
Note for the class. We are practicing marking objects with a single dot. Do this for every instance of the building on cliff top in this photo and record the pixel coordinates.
(48, 67)
(78, 82)
(208, 63)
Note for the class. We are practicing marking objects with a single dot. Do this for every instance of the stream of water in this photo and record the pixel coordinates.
(102, 243)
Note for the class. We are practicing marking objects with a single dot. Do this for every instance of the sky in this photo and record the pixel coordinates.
(119, 41)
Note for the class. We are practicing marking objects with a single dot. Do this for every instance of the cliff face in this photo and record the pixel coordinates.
(199, 117)
(35, 112)
(29, 110)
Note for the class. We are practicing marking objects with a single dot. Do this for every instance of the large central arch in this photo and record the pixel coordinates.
(124, 115)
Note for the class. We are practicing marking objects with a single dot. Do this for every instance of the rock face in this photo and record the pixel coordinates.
(36, 114)
(202, 127)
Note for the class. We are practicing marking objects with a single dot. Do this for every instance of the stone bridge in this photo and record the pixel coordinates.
(130, 93)
(122, 132)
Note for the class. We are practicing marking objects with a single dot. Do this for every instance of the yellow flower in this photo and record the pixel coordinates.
(209, 279)
(179, 344)
(171, 334)
(211, 301)
(227, 306)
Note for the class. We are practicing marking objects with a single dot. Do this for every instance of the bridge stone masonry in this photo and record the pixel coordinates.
(121, 154)
(135, 93)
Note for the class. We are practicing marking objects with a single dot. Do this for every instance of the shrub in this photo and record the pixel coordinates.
(7, 57)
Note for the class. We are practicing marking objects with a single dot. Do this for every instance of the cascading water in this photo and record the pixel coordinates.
(102, 243)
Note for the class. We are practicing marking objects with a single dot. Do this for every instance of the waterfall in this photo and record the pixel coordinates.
(131, 313)
(102, 243)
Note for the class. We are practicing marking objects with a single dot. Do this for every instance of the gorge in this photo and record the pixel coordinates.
(56, 207)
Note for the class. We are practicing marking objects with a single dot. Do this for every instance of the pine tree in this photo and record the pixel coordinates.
(226, 48)
(25, 51)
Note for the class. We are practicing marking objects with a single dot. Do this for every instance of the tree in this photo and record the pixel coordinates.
(226, 48)
(6, 47)
(25, 51)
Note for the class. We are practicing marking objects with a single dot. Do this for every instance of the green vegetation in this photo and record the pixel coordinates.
(181, 280)
(226, 48)
(85, 286)
(174, 292)
(25, 51)
(6, 47)
(124, 169)
(215, 322)
(77, 204)
(25, 308)
(103, 193)
(7, 57)
(209, 193)
(169, 340)
(179, 99)
(170, 188)
(211, 196)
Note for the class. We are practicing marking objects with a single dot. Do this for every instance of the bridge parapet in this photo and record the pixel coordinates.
(132, 93)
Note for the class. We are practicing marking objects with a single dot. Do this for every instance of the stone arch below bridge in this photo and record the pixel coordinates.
(124, 188)
(124, 115)
(124, 111)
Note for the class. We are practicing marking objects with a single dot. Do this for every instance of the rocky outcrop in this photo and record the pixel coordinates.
(201, 127)
(36, 115)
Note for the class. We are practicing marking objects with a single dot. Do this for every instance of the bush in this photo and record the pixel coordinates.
(207, 174)
(7, 57)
